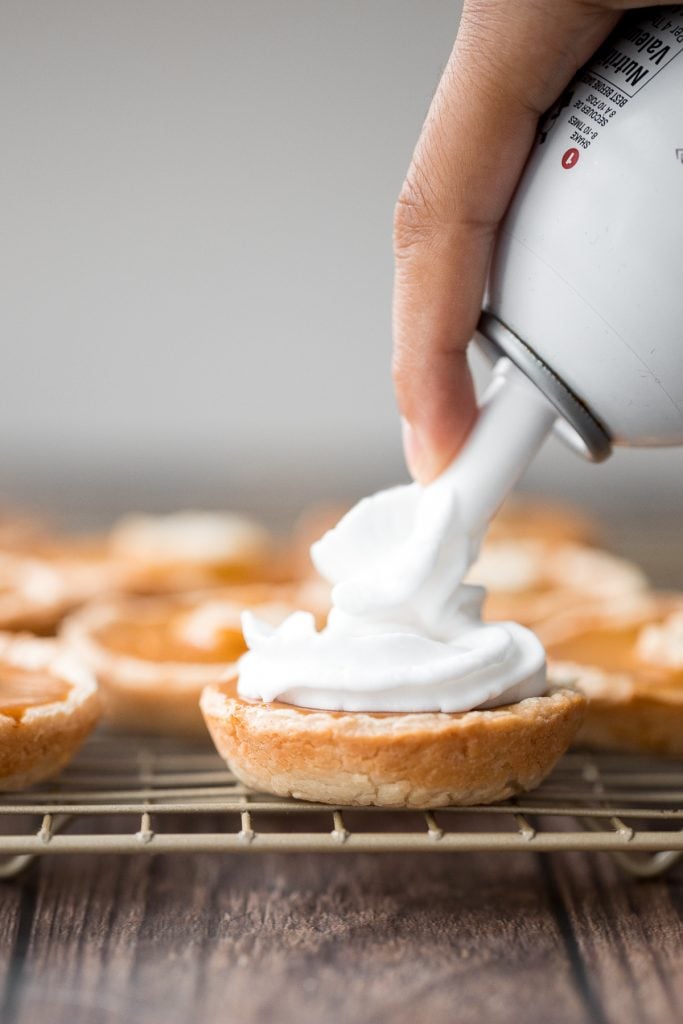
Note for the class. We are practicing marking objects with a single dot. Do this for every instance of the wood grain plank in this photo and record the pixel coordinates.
(16, 920)
(629, 934)
(82, 942)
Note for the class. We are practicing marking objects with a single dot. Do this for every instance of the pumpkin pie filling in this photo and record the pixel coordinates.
(229, 689)
(22, 689)
(162, 638)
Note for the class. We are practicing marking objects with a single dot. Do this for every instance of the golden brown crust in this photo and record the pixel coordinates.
(160, 707)
(41, 741)
(391, 760)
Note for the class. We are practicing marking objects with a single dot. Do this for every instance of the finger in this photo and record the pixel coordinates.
(509, 63)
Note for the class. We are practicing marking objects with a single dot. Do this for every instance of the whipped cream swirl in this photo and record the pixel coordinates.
(405, 633)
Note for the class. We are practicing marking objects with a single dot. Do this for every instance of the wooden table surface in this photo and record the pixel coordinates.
(277, 938)
(340, 937)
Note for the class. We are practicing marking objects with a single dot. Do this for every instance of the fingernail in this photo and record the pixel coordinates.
(422, 458)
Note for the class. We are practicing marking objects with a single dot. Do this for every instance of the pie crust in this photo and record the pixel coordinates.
(391, 760)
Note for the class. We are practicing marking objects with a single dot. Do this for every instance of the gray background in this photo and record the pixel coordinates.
(195, 255)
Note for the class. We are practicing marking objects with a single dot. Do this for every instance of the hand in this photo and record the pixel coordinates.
(510, 62)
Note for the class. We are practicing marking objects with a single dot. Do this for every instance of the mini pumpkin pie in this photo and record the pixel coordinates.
(37, 590)
(628, 661)
(193, 550)
(152, 656)
(48, 705)
(529, 581)
(32, 594)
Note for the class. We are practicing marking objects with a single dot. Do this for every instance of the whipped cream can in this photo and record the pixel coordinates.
(585, 291)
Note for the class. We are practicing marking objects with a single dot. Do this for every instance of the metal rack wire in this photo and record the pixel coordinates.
(127, 795)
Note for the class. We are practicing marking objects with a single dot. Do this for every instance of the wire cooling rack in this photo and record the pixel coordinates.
(132, 795)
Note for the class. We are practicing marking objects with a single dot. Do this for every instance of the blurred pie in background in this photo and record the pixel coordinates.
(152, 656)
(536, 518)
(189, 550)
(38, 589)
(628, 662)
(530, 581)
